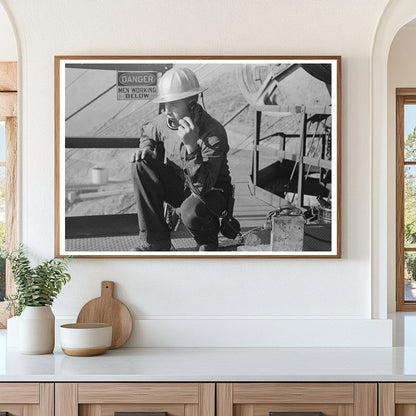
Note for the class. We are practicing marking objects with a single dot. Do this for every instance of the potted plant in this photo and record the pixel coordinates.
(36, 289)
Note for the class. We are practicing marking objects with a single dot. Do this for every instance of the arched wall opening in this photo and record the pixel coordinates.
(401, 74)
(396, 15)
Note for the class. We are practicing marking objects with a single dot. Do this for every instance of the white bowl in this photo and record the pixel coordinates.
(83, 340)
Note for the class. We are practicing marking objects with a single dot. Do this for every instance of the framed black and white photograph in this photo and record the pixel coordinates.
(198, 156)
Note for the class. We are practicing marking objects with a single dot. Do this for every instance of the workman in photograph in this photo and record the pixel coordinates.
(181, 160)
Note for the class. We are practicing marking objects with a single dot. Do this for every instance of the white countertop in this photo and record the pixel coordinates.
(221, 364)
(215, 364)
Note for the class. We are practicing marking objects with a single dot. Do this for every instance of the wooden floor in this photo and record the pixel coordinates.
(250, 211)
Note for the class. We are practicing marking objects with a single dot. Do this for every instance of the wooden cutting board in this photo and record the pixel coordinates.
(108, 310)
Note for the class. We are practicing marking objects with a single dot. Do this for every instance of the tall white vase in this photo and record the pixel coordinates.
(37, 330)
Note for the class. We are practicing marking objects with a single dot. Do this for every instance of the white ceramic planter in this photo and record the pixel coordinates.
(12, 334)
(37, 330)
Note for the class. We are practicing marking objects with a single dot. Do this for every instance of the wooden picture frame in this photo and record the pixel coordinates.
(282, 117)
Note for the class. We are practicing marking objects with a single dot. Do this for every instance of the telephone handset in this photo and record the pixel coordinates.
(195, 110)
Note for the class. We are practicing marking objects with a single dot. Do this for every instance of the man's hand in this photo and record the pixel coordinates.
(189, 133)
(141, 154)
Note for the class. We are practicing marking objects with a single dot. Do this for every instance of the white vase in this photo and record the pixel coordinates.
(12, 334)
(37, 330)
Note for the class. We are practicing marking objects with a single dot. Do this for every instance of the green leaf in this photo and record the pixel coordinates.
(35, 286)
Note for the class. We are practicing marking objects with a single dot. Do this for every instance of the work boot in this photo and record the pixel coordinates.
(162, 245)
(207, 247)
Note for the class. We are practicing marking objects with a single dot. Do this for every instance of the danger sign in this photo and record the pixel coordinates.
(138, 85)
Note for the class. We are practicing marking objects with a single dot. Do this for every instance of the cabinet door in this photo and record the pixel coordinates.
(397, 399)
(142, 399)
(297, 399)
(26, 399)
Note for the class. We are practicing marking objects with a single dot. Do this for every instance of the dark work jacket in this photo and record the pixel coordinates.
(206, 167)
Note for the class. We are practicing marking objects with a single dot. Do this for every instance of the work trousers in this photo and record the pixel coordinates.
(156, 183)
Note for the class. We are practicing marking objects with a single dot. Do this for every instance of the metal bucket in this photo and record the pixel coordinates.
(288, 228)
(324, 215)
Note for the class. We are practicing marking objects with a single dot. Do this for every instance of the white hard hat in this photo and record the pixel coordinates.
(176, 84)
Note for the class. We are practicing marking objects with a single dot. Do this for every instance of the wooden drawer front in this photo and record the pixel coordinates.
(19, 393)
(397, 399)
(13, 409)
(342, 393)
(331, 399)
(138, 393)
(110, 409)
(264, 410)
(27, 399)
(405, 393)
(104, 399)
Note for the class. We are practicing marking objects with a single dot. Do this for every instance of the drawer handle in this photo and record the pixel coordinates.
(139, 414)
(295, 414)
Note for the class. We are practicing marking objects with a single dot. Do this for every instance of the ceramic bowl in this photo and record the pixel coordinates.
(83, 340)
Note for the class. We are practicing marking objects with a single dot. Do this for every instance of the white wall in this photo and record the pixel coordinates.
(401, 74)
(8, 46)
(212, 302)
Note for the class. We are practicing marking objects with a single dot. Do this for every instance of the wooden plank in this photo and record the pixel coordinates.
(207, 399)
(190, 410)
(47, 399)
(270, 153)
(237, 409)
(66, 399)
(400, 304)
(405, 393)
(13, 409)
(224, 399)
(317, 162)
(246, 410)
(31, 410)
(365, 403)
(90, 410)
(8, 76)
(269, 198)
(341, 393)
(345, 410)
(8, 105)
(405, 410)
(11, 195)
(23, 393)
(406, 91)
(386, 399)
(138, 393)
